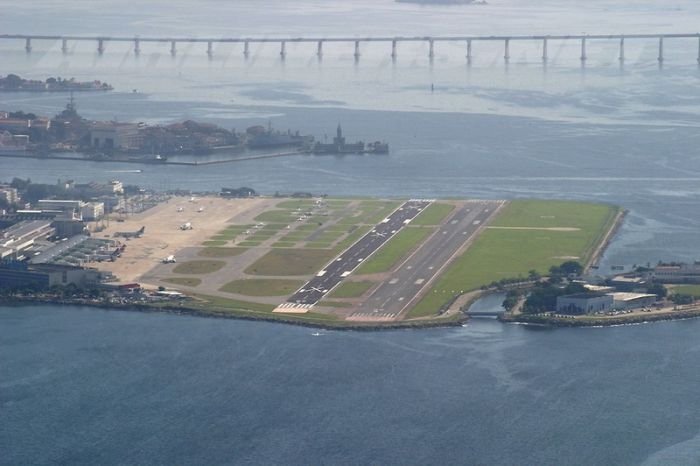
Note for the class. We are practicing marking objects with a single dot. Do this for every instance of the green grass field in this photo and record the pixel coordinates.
(214, 243)
(693, 290)
(284, 262)
(220, 252)
(351, 289)
(185, 281)
(277, 216)
(498, 253)
(394, 250)
(197, 267)
(262, 287)
(249, 244)
(434, 214)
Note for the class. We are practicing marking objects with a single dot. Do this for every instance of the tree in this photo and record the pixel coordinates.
(658, 289)
(682, 298)
(533, 275)
(12, 81)
(571, 268)
(511, 300)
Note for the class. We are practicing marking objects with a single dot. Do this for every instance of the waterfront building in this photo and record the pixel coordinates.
(44, 276)
(677, 273)
(339, 146)
(92, 210)
(9, 194)
(70, 208)
(584, 303)
(626, 301)
(113, 135)
(16, 239)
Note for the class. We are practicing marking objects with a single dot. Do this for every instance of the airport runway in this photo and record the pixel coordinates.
(394, 296)
(343, 265)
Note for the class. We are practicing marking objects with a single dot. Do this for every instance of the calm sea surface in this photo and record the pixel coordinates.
(86, 386)
(83, 386)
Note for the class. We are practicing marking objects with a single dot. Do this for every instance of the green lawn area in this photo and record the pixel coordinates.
(351, 239)
(335, 304)
(248, 244)
(351, 289)
(277, 216)
(262, 287)
(283, 244)
(185, 281)
(291, 262)
(434, 214)
(232, 304)
(214, 243)
(199, 267)
(221, 252)
(318, 244)
(274, 226)
(500, 254)
(395, 249)
(545, 214)
(296, 204)
(693, 290)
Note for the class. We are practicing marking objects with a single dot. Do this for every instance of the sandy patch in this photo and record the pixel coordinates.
(163, 235)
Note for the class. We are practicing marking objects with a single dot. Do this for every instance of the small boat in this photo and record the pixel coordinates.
(316, 334)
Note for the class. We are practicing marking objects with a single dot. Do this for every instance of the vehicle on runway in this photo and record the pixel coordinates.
(186, 226)
(180, 209)
(169, 260)
(201, 209)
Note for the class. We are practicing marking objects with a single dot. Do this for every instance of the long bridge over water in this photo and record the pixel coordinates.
(469, 41)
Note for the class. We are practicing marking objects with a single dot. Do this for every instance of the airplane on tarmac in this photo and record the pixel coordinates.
(129, 234)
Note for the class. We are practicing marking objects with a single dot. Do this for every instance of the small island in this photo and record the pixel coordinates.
(69, 136)
(14, 83)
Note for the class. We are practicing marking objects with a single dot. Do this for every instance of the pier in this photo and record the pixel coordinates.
(355, 43)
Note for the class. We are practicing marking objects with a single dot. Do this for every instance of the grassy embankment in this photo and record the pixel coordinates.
(199, 267)
(554, 231)
(185, 281)
(262, 287)
(692, 290)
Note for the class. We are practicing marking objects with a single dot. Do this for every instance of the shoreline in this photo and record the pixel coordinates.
(152, 162)
(241, 314)
(598, 253)
(550, 321)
